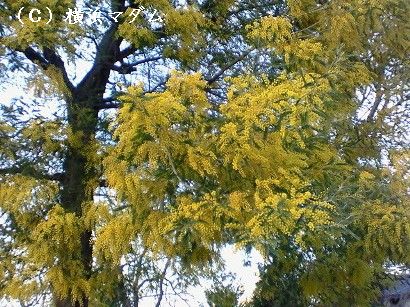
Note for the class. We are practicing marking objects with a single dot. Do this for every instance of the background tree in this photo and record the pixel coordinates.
(224, 292)
(274, 157)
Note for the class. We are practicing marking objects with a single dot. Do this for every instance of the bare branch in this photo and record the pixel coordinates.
(35, 57)
(127, 68)
(113, 103)
(126, 52)
(52, 57)
(376, 104)
(48, 58)
(161, 283)
(31, 172)
(96, 79)
(230, 65)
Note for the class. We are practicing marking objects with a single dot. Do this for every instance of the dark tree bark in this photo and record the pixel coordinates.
(81, 177)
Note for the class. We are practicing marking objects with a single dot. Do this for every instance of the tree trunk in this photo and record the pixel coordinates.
(80, 172)
(80, 179)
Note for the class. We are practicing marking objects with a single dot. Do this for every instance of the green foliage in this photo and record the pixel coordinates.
(226, 296)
